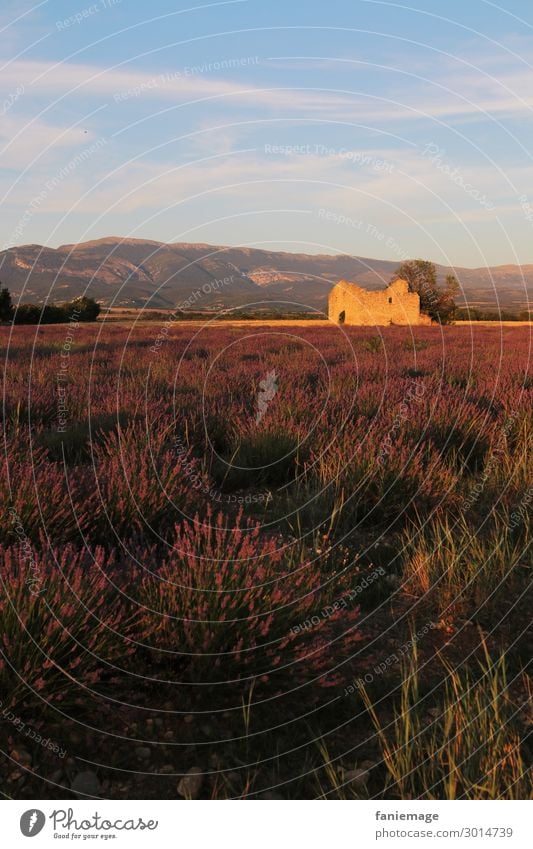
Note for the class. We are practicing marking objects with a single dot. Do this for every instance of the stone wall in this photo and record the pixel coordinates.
(350, 304)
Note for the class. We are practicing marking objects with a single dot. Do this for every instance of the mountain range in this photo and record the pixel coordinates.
(141, 273)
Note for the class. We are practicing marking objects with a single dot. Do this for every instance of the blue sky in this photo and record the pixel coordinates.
(372, 128)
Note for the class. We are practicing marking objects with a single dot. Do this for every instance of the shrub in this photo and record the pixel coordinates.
(227, 602)
(263, 457)
(61, 623)
(142, 483)
(41, 499)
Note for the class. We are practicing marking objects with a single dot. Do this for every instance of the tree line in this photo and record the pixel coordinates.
(80, 309)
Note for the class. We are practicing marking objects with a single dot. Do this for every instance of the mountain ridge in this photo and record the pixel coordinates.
(148, 273)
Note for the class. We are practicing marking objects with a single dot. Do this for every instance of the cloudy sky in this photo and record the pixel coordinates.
(374, 128)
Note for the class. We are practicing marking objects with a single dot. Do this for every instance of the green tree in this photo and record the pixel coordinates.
(83, 309)
(436, 301)
(6, 306)
(447, 307)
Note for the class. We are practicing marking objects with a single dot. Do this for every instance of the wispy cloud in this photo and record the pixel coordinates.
(20, 147)
(457, 94)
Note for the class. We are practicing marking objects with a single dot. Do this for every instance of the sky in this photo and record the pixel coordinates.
(379, 129)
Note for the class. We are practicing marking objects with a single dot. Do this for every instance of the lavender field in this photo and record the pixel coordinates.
(266, 562)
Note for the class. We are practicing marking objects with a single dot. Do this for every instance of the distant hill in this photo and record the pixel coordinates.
(138, 273)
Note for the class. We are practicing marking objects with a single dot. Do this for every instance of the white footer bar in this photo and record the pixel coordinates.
(267, 824)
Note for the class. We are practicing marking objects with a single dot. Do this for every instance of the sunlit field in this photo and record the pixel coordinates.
(287, 561)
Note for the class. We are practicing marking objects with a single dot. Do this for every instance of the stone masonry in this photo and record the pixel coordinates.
(350, 304)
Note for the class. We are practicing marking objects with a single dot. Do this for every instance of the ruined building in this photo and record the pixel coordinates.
(350, 304)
